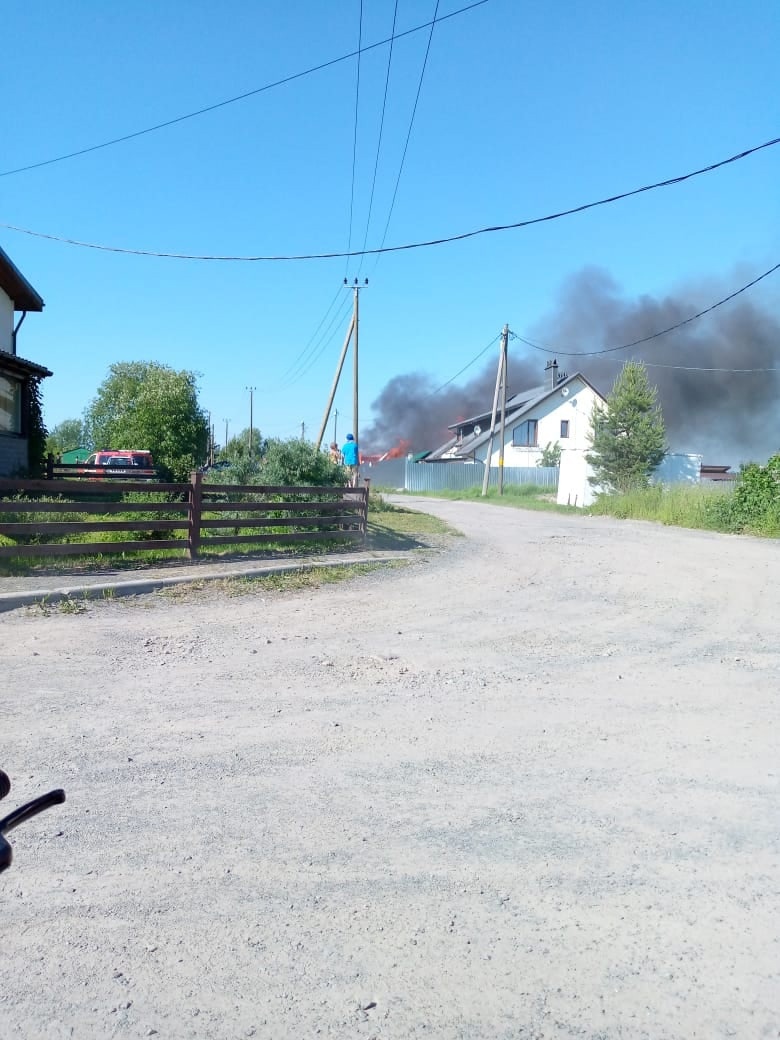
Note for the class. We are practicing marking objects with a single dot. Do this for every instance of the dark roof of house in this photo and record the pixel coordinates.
(15, 285)
(512, 402)
(17, 366)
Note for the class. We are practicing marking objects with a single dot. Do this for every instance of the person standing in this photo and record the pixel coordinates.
(349, 456)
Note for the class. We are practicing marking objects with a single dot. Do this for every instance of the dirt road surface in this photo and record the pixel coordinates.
(524, 788)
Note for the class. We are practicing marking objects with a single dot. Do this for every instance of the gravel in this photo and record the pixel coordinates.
(524, 788)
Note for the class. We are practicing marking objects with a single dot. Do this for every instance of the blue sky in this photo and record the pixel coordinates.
(524, 109)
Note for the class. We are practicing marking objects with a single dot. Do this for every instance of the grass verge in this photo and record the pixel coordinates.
(518, 496)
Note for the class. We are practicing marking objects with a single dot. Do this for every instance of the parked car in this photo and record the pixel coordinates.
(123, 463)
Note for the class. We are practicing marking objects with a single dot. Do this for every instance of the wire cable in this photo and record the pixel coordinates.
(238, 97)
(655, 335)
(409, 132)
(465, 367)
(304, 351)
(409, 245)
(305, 365)
(379, 139)
(355, 133)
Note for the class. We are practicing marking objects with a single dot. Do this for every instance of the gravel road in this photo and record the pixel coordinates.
(526, 787)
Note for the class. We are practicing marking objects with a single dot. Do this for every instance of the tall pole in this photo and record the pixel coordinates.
(355, 382)
(335, 425)
(486, 475)
(336, 378)
(303, 431)
(226, 434)
(504, 362)
(251, 390)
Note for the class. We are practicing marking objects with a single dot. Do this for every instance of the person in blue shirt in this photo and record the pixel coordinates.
(349, 456)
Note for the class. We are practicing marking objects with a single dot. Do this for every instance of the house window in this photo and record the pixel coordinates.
(10, 405)
(564, 428)
(524, 436)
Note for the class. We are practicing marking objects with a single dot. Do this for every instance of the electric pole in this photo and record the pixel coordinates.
(251, 390)
(335, 425)
(500, 382)
(504, 365)
(352, 330)
(303, 431)
(226, 436)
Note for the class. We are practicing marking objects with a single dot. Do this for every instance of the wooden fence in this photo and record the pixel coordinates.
(206, 514)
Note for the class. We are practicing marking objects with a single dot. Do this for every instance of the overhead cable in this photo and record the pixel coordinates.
(409, 131)
(355, 133)
(655, 335)
(239, 97)
(410, 245)
(381, 129)
(465, 367)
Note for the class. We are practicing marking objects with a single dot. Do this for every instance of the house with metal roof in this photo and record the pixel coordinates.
(17, 299)
(557, 413)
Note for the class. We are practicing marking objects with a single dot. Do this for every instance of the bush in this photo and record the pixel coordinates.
(299, 462)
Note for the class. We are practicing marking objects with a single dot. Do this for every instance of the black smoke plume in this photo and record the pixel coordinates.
(727, 416)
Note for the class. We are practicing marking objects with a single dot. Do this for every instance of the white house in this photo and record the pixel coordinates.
(558, 413)
(17, 297)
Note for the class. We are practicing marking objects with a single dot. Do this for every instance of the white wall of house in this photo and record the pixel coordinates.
(571, 404)
(6, 322)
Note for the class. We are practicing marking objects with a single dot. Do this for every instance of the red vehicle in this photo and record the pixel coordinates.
(134, 464)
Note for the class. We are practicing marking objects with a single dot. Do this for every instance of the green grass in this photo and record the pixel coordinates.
(288, 581)
(699, 506)
(519, 496)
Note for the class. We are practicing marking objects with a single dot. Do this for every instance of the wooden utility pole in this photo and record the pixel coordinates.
(251, 390)
(352, 330)
(500, 378)
(336, 378)
(504, 366)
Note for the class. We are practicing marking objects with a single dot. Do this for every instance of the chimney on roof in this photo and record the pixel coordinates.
(552, 368)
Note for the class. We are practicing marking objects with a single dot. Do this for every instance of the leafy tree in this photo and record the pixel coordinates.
(143, 404)
(237, 448)
(628, 438)
(299, 462)
(36, 433)
(551, 455)
(66, 435)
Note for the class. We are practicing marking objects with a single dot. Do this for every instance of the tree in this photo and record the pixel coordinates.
(66, 435)
(551, 455)
(298, 462)
(237, 448)
(628, 439)
(143, 404)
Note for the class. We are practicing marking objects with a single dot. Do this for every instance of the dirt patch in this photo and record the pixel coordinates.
(524, 788)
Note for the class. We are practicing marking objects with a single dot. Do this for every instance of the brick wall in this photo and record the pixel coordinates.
(13, 454)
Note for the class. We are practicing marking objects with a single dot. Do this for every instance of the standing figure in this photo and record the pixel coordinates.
(349, 455)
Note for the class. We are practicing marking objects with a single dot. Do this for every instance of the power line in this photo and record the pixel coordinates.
(411, 124)
(355, 134)
(472, 362)
(239, 97)
(304, 366)
(696, 368)
(301, 355)
(381, 129)
(410, 245)
(655, 335)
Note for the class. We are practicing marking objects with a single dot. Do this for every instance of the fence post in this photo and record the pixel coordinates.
(50, 466)
(364, 522)
(196, 508)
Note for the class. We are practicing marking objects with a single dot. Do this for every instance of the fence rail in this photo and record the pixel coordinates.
(259, 514)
